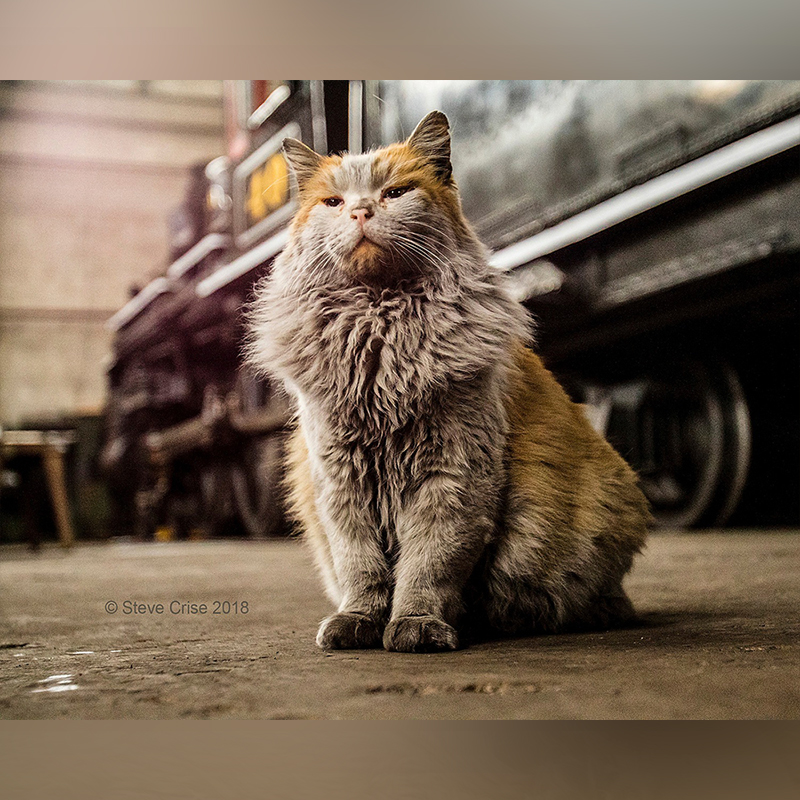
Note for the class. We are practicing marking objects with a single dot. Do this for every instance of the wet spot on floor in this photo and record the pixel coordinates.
(55, 684)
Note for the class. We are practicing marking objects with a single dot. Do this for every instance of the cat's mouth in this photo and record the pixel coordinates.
(375, 263)
(364, 240)
(367, 258)
(366, 248)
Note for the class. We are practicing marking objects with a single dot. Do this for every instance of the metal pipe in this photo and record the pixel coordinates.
(201, 432)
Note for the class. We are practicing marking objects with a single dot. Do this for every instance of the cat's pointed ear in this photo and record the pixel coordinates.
(431, 138)
(303, 160)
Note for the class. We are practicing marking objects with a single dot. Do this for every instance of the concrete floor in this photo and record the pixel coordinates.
(721, 640)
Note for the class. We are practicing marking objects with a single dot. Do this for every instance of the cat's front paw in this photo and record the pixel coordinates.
(349, 631)
(426, 634)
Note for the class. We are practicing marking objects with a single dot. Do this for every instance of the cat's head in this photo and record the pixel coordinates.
(384, 215)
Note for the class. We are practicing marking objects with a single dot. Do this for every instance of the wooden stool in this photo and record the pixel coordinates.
(51, 446)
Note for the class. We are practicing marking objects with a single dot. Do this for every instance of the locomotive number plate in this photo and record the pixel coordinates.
(263, 190)
(267, 189)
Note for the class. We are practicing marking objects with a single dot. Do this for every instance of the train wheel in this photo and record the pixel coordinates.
(256, 487)
(216, 500)
(687, 433)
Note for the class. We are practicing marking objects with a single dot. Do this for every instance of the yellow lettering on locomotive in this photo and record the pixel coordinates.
(276, 188)
(268, 188)
(255, 202)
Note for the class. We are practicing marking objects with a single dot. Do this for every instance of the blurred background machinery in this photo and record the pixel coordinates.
(652, 227)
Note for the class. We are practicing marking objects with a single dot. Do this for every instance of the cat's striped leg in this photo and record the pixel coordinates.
(361, 570)
(441, 536)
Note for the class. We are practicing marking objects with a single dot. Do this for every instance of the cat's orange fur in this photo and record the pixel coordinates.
(400, 164)
(522, 490)
(560, 471)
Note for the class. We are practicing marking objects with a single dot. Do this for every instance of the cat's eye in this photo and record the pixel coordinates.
(332, 202)
(396, 191)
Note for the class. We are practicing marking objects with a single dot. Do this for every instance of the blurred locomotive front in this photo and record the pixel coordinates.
(651, 226)
(194, 442)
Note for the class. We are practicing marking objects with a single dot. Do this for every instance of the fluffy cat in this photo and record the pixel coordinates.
(443, 479)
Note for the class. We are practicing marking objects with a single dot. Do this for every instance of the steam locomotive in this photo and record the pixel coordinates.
(652, 227)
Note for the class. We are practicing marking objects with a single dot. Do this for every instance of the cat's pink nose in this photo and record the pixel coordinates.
(361, 214)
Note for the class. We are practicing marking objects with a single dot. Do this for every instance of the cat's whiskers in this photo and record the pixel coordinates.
(414, 247)
(300, 276)
(410, 236)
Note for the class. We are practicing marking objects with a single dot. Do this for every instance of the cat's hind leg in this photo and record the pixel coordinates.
(526, 603)
(610, 609)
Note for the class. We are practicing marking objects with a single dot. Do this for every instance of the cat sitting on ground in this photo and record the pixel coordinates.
(443, 479)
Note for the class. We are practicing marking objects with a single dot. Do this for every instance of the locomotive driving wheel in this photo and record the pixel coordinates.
(687, 433)
(257, 469)
(216, 499)
(255, 480)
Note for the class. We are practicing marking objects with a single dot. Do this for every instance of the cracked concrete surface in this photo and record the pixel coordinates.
(720, 639)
